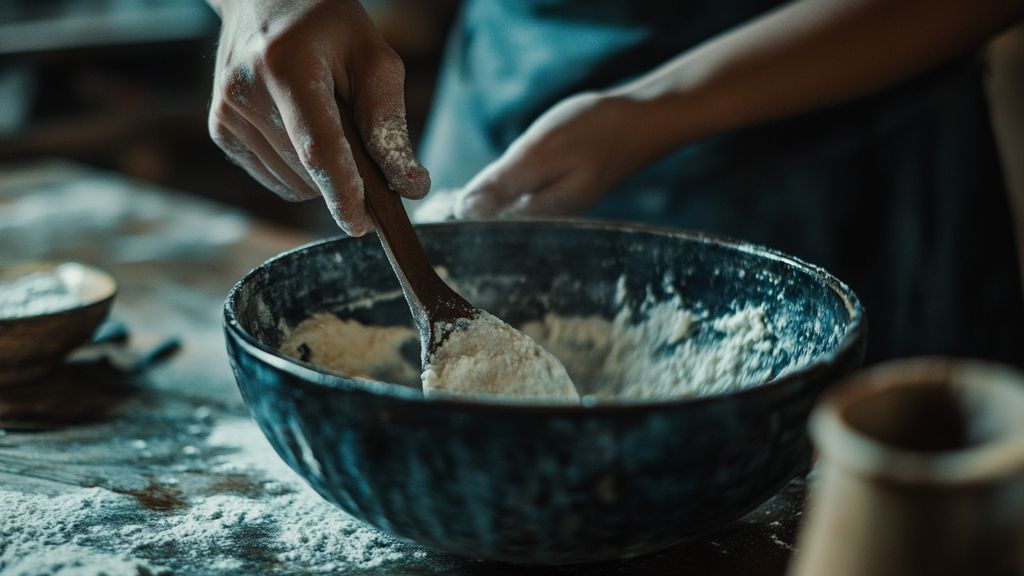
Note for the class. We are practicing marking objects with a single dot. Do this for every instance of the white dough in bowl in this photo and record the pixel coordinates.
(656, 350)
(485, 356)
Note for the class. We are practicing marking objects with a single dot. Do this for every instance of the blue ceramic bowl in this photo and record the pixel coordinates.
(533, 483)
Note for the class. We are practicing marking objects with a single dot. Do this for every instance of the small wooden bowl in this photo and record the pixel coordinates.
(33, 345)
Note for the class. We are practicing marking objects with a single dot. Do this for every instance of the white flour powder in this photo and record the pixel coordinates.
(656, 355)
(328, 341)
(389, 143)
(272, 523)
(660, 350)
(35, 293)
(391, 140)
(485, 356)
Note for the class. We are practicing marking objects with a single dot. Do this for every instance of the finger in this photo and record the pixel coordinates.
(378, 100)
(482, 202)
(310, 116)
(260, 113)
(439, 206)
(558, 197)
(486, 195)
(299, 189)
(229, 142)
(536, 204)
(236, 95)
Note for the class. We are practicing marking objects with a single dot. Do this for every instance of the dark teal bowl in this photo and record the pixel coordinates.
(532, 483)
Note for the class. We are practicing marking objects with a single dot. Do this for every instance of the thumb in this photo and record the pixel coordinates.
(391, 149)
(379, 106)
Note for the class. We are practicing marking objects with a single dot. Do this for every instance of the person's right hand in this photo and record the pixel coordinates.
(282, 69)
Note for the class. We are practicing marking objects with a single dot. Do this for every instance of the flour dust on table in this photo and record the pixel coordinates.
(279, 522)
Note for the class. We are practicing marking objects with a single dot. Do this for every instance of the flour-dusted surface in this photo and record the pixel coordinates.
(484, 356)
(259, 510)
(158, 246)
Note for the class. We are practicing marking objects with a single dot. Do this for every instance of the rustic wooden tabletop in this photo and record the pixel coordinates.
(156, 467)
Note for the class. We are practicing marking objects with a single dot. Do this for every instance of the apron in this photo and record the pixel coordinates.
(898, 194)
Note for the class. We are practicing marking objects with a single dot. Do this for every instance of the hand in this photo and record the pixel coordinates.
(282, 69)
(563, 164)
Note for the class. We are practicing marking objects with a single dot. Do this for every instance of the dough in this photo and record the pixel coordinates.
(485, 356)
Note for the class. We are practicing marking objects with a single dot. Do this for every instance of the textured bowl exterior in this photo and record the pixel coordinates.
(537, 484)
(32, 346)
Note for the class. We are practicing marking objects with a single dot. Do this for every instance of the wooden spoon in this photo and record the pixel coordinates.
(434, 305)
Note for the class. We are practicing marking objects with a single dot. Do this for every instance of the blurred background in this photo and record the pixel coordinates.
(125, 85)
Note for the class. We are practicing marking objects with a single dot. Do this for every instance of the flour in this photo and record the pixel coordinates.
(391, 148)
(656, 354)
(484, 356)
(438, 206)
(35, 294)
(315, 340)
(656, 350)
(48, 534)
(271, 522)
(72, 560)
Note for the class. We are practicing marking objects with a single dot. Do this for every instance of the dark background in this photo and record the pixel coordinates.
(125, 85)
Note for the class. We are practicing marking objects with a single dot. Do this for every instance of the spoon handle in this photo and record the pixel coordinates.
(429, 298)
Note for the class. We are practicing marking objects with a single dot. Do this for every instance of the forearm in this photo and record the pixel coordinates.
(216, 5)
(1006, 94)
(806, 55)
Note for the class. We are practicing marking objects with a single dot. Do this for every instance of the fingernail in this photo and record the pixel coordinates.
(417, 183)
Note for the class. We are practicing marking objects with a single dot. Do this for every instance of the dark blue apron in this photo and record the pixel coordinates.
(899, 194)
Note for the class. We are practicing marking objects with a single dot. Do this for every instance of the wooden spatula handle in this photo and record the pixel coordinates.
(430, 299)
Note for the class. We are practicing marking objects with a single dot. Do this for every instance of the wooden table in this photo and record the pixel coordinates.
(161, 445)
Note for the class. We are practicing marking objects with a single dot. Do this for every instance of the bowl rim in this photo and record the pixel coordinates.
(111, 292)
(865, 455)
(311, 377)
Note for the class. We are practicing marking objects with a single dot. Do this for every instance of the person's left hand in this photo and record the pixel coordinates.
(563, 164)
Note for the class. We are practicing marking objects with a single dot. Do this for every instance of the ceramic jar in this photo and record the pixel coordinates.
(921, 472)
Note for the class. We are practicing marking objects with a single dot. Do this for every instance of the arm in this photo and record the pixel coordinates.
(1006, 93)
(802, 56)
(282, 69)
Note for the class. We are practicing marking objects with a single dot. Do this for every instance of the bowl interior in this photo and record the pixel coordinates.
(47, 310)
(525, 271)
(42, 288)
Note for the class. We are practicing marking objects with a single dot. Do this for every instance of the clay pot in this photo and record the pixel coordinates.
(921, 472)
